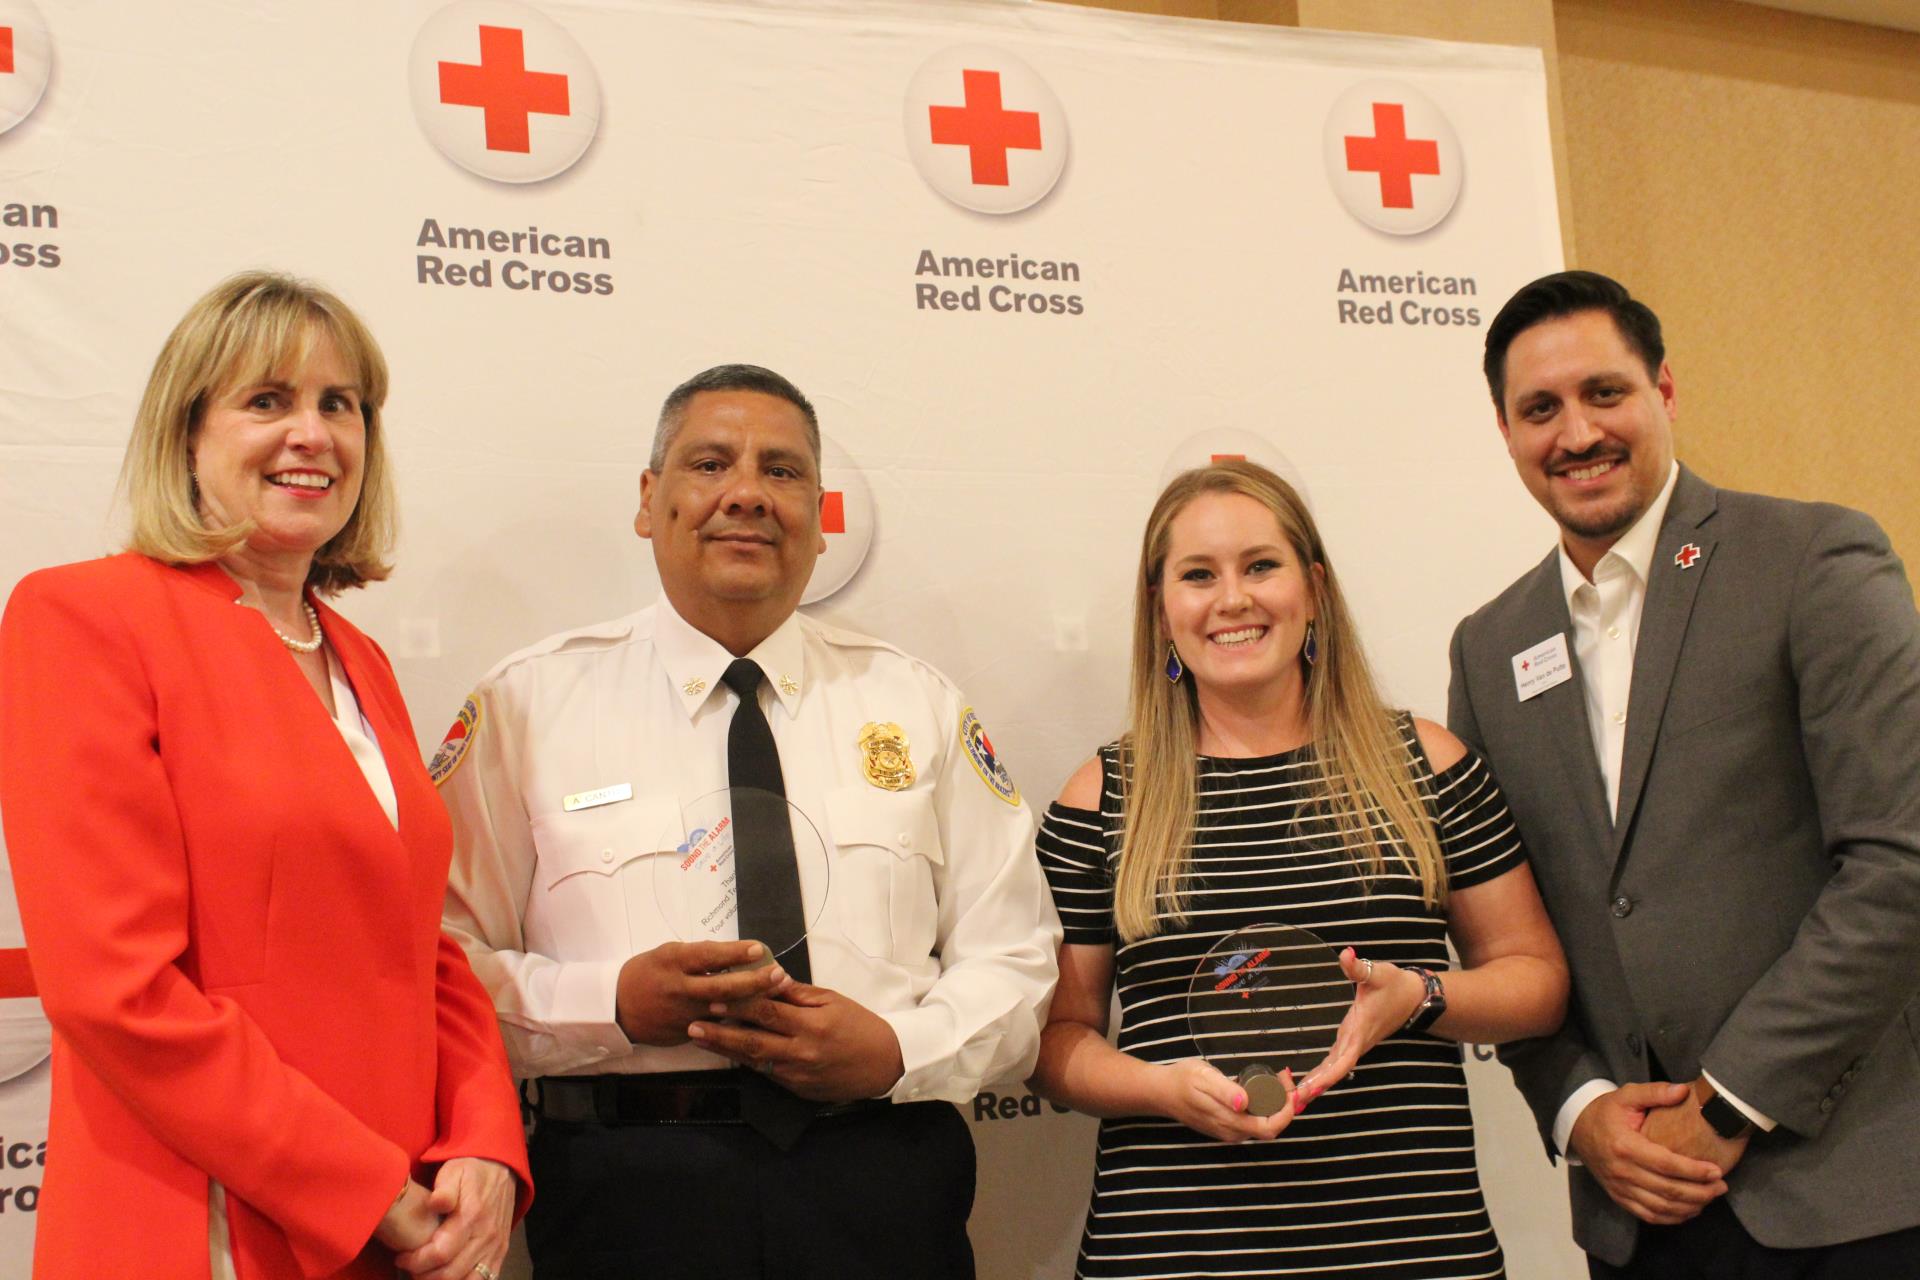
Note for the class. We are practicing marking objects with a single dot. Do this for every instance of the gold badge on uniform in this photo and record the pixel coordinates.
(887, 764)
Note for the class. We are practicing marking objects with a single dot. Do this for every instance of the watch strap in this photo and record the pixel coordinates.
(1431, 1006)
(1723, 1117)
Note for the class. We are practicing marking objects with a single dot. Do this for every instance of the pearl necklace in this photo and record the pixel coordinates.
(313, 621)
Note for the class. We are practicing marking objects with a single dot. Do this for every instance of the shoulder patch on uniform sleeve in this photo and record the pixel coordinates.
(453, 748)
(979, 749)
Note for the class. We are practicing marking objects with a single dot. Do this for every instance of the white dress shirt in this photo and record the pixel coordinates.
(1606, 628)
(934, 914)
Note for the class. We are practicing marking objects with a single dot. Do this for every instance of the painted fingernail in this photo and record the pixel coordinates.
(1239, 1102)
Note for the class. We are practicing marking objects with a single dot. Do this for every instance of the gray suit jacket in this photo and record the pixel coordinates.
(1755, 906)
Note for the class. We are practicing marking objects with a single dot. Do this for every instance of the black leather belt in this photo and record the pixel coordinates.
(665, 1097)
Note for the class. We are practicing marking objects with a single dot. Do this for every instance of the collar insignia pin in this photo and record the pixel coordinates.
(787, 685)
(694, 687)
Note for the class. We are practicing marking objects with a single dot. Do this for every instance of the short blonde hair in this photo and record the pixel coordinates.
(248, 328)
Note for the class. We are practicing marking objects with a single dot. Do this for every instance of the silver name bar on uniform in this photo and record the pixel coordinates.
(593, 799)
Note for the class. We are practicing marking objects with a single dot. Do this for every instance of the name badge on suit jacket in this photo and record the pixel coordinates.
(1538, 669)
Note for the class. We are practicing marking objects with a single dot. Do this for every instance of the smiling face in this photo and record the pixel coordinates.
(1589, 430)
(1235, 598)
(734, 515)
(287, 453)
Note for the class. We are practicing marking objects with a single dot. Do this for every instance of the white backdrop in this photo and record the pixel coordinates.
(762, 181)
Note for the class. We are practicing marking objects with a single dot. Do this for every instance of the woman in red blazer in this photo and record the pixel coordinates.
(268, 1060)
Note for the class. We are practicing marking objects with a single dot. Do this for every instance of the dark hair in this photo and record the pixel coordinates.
(1563, 294)
(729, 377)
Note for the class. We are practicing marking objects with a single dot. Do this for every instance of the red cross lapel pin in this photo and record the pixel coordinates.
(1686, 555)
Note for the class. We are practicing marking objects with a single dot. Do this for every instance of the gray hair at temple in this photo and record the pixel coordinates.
(729, 377)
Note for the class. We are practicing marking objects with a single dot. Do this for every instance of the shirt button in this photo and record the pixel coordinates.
(1622, 907)
(906, 840)
(1613, 633)
(606, 855)
(1826, 1105)
(1619, 717)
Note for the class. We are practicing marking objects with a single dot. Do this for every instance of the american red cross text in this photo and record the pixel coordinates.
(503, 88)
(985, 128)
(1393, 155)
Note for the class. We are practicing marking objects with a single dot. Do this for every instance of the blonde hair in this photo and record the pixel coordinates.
(1366, 785)
(248, 328)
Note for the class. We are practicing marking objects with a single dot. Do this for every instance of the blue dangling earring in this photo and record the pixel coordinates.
(1309, 649)
(1174, 669)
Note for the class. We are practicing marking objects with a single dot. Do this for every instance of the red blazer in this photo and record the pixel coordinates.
(240, 956)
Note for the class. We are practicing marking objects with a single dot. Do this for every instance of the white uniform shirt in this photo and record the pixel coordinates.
(1606, 628)
(936, 916)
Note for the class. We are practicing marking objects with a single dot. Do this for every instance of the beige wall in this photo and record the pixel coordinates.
(1755, 176)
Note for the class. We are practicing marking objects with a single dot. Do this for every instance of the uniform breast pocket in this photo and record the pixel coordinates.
(886, 848)
(595, 862)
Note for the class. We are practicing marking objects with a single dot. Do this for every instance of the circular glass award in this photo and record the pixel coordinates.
(1266, 998)
(751, 866)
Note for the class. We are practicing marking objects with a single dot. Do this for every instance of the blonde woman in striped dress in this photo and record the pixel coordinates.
(1261, 779)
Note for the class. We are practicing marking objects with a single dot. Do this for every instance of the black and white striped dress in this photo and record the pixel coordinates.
(1378, 1178)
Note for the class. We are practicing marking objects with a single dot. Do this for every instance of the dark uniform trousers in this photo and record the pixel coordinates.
(876, 1194)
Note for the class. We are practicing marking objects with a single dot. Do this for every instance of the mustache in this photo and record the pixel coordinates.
(765, 531)
(1586, 458)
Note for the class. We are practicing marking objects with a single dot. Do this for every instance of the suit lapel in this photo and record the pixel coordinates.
(1561, 712)
(358, 661)
(1671, 590)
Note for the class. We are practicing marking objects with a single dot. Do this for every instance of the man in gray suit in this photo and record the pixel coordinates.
(1704, 707)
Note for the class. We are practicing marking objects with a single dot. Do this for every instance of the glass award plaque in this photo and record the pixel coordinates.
(734, 839)
(1266, 998)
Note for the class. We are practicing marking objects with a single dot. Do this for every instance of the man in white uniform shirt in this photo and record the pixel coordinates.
(1704, 707)
(695, 1114)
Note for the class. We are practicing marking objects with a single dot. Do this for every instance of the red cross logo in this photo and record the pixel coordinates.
(16, 976)
(1686, 555)
(6, 50)
(1526, 664)
(986, 129)
(1393, 155)
(503, 88)
(833, 511)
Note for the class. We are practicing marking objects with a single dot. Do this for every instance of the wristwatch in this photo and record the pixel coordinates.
(1428, 1011)
(1722, 1116)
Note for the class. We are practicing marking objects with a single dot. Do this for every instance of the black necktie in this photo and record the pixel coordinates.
(769, 879)
(768, 882)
